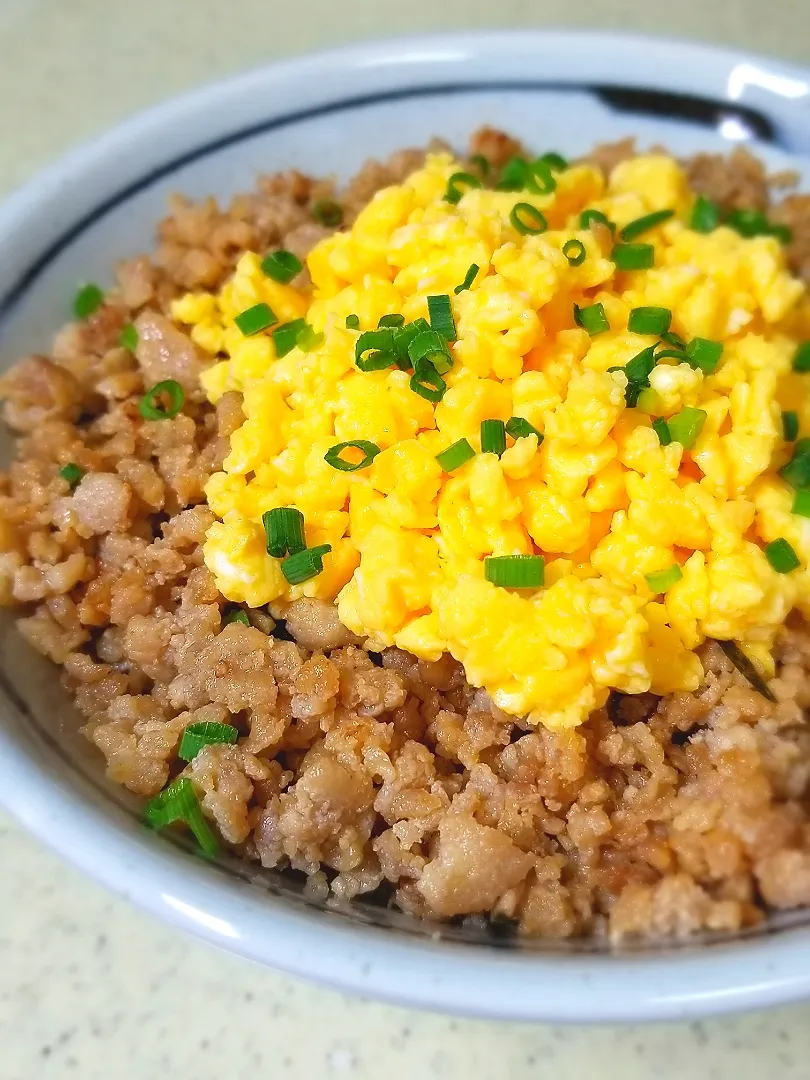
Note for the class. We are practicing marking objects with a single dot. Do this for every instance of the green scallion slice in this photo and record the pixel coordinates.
(480, 162)
(673, 339)
(540, 178)
(686, 426)
(334, 456)
(440, 312)
(87, 301)
(515, 571)
(704, 353)
(554, 160)
(801, 503)
(748, 222)
(637, 228)
(638, 369)
(209, 733)
(790, 426)
(746, 668)
(391, 320)
(661, 580)
(285, 337)
(456, 455)
(128, 338)
(281, 266)
(284, 531)
(151, 405)
(797, 471)
(705, 215)
(179, 802)
(304, 565)
(255, 319)
(352, 322)
(520, 428)
(513, 175)
(593, 318)
(469, 278)
(589, 215)
(649, 320)
(72, 473)
(328, 213)
(427, 342)
(633, 256)
(661, 429)
(527, 219)
(236, 616)
(374, 349)
(781, 556)
(574, 251)
(458, 185)
(801, 358)
(493, 437)
(426, 381)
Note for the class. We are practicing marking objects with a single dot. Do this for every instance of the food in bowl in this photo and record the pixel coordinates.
(446, 538)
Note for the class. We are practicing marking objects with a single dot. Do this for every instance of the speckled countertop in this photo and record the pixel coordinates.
(91, 988)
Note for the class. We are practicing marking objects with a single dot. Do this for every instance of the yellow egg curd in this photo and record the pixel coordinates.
(651, 544)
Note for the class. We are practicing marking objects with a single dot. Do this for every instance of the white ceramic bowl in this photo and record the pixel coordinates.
(326, 114)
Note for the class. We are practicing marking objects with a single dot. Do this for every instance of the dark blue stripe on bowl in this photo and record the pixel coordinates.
(703, 112)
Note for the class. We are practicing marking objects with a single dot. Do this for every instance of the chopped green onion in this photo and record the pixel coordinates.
(649, 320)
(468, 279)
(661, 429)
(781, 556)
(519, 428)
(638, 369)
(404, 336)
(704, 353)
(87, 301)
(374, 349)
(328, 213)
(593, 318)
(797, 471)
(458, 185)
(801, 358)
(208, 733)
(801, 503)
(352, 322)
(255, 319)
(672, 354)
(441, 316)
(705, 215)
(637, 228)
(782, 233)
(282, 266)
(527, 219)
(746, 668)
(515, 571)
(72, 473)
(790, 426)
(309, 339)
(493, 437)
(633, 256)
(236, 616)
(427, 342)
(748, 222)
(150, 407)
(661, 580)
(128, 338)
(673, 339)
(179, 802)
(480, 162)
(284, 531)
(391, 320)
(368, 449)
(426, 381)
(285, 337)
(456, 455)
(574, 251)
(539, 177)
(587, 216)
(304, 565)
(513, 175)
(554, 160)
(685, 428)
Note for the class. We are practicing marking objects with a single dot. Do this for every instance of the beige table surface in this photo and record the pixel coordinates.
(90, 988)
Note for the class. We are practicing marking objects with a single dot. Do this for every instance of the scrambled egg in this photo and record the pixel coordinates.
(600, 497)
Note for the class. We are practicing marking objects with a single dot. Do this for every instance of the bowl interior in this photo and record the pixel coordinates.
(103, 204)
